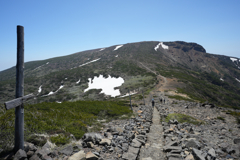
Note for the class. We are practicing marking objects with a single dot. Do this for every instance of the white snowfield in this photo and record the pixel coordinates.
(233, 59)
(106, 84)
(221, 79)
(102, 49)
(131, 93)
(237, 79)
(40, 89)
(163, 46)
(51, 93)
(89, 62)
(116, 56)
(78, 81)
(118, 47)
(157, 46)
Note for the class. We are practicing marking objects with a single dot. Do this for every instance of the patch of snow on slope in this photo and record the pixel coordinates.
(116, 56)
(89, 62)
(131, 93)
(118, 47)
(221, 79)
(78, 81)
(106, 84)
(233, 59)
(40, 89)
(157, 46)
(51, 93)
(102, 49)
(164, 46)
(47, 62)
(237, 79)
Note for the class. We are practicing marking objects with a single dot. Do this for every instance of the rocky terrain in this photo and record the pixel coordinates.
(147, 136)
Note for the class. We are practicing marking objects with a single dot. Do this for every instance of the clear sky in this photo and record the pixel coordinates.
(60, 27)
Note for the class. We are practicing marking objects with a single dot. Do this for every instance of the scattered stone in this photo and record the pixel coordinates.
(67, 150)
(21, 154)
(198, 155)
(91, 156)
(135, 143)
(78, 156)
(105, 141)
(193, 144)
(236, 141)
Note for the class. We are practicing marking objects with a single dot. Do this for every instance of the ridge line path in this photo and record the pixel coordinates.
(158, 75)
(153, 149)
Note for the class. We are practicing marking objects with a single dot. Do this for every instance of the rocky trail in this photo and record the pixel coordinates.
(146, 136)
(153, 148)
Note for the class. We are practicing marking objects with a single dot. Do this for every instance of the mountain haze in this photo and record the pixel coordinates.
(180, 68)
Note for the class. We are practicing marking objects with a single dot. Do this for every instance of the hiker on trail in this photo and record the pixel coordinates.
(153, 102)
(161, 100)
(164, 101)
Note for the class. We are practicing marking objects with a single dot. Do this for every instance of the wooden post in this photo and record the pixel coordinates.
(130, 99)
(143, 97)
(19, 111)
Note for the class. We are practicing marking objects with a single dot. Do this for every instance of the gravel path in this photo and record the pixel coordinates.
(153, 149)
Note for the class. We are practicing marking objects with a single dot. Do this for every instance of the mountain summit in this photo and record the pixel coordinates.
(179, 68)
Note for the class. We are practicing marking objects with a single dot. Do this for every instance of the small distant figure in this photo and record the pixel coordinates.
(153, 102)
(161, 100)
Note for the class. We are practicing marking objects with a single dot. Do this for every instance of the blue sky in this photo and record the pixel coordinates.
(60, 27)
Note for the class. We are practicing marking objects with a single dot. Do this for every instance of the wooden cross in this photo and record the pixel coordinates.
(20, 98)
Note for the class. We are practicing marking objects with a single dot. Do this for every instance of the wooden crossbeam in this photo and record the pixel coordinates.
(17, 102)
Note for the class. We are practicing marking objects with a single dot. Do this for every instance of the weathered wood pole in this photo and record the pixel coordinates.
(143, 97)
(130, 99)
(19, 111)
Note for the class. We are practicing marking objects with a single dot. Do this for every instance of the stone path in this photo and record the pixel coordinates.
(153, 149)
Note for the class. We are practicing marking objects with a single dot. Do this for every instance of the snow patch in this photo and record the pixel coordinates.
(131, 93)
(163, 46)
(65, 78)
(116, 56)
(118, 47)
(40, 89)
(89, 62)
(237, 80)
(233, 59)
(58, 102)
(47, 62)
(157, 46)
(221, 79)
(102, 49)
(51, 93)
(78, 81)
(106, 84)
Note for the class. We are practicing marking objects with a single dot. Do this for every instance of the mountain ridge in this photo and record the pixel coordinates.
(125, 61)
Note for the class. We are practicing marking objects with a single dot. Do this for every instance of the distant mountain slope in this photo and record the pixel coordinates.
(207, 77)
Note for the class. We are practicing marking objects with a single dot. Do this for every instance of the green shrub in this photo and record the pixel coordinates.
(37, 140)
(183, 118)
(60, 139)
(221, 118)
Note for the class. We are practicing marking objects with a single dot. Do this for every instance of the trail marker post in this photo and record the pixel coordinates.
(143, 97)
(18, 102)
(130, 99)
